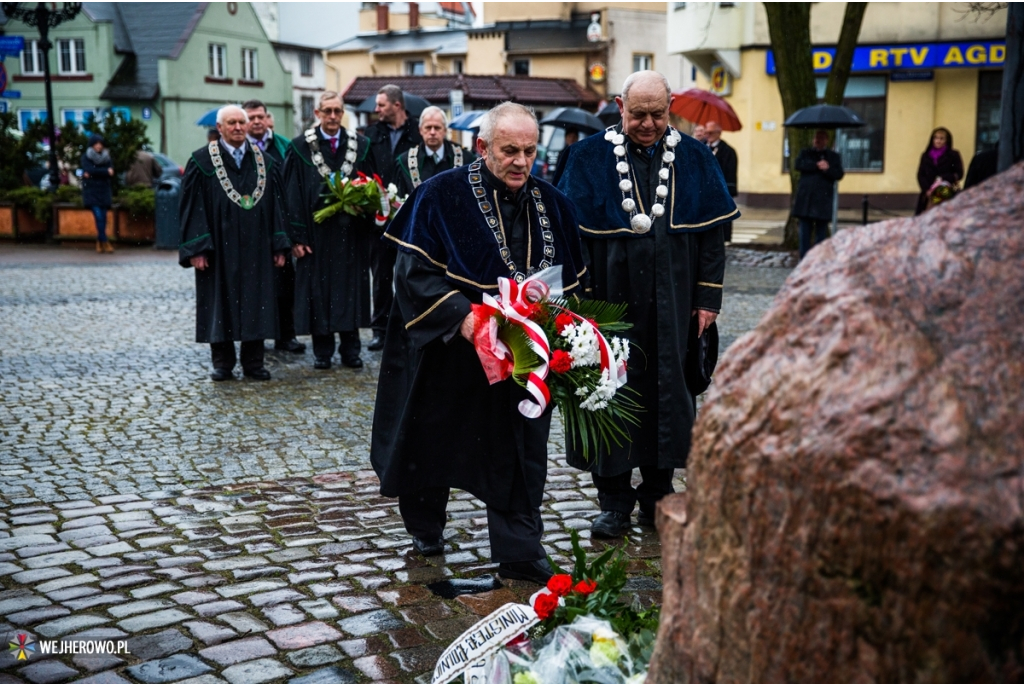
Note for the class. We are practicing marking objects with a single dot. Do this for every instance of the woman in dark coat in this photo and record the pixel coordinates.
(97, 173)
(819, 169)
(939, 162)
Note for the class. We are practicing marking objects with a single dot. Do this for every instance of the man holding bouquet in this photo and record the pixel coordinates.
(652, 204)
(331, 286)
(438, 423)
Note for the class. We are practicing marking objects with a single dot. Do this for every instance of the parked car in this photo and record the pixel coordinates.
(171, 169)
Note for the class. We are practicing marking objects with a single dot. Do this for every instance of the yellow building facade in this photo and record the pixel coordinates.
(918, 67)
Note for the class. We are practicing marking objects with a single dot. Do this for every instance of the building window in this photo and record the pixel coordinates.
(678, 5)
(643, 62)
(218, 60)
(72, 55)
(77, 117)
(27, 116)
(457, 66)
(521, 67)
(726, 5)
(990, 111)
(306, 63)
(250, 65)
(32, 59)
(307, 106)
(415, 67)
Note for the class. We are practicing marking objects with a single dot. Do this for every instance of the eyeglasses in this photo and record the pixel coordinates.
(332, 110)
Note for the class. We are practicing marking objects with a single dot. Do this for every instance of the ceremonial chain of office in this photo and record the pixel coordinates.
(318, 157)
(243, 201)
(487, 208)
(638, 221)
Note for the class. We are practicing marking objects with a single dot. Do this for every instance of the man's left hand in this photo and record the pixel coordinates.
(279, 260)
(704, 319)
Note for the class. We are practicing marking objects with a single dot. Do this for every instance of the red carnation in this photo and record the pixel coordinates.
(561, 361)
(561, 321)
(560, 584)
(585, 587)
(545, 604)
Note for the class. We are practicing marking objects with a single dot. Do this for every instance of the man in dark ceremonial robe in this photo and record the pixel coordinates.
(276, 148)
(233, 234)
(331, 256)
(435, 155)
(651, 204)
(438, 424)
(394, 132)
(727, 159)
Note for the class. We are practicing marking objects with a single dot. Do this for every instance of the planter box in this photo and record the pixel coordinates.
(132, 230)
(27, 226)
(77, 223)
(8, 228)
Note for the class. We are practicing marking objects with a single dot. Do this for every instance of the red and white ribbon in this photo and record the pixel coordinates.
(618, 374)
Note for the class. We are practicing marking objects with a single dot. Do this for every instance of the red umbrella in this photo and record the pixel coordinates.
(700, 107)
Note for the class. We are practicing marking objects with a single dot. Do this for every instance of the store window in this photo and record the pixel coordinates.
(218, 60)
(27, 116)
(415, 67)
(521, 67)
(306, 63)
(78, 117)
(990, 110)
(643, 62)
(250, 65)
(32, 59)
(71, 53)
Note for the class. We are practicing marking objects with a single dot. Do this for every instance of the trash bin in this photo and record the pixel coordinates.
(168, 227)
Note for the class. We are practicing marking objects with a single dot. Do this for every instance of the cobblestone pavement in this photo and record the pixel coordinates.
(227, 532)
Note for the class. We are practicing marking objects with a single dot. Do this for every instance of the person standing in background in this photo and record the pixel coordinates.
(699, 134)
(727, 159)
(97, 176)
(819, 169)
(144, 171)
(940, 164)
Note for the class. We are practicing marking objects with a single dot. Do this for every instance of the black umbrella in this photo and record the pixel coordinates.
(609, 114)
(825, 116)
(414, 105)
(573, 117)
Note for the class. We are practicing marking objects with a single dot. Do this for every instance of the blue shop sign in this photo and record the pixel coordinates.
(12, 45)
(909, 56)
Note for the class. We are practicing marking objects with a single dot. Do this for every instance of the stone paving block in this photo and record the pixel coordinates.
(331, 674)
(294, 554)
(124, 581)
(418, 659)
(210, 634)
(96, 662)
(72, 593)
(372, 582)
(154, 590)
(7, 568)
(421, 614)
(315, 656)
(404, 596)
(236, 651)
(318, 608)
(110, 548)
(377, 668)
(171, 669)
(156, 619)
(485, 603)
(140, 607)
(94, 601)
(40, 550)
(250, 587)
(194, 597)
(20, 600)
(57, 559)
(118, 499)
(30, 519)
(202, 680)
(370, 622)
(233, 563)
(88, 511)
(69, 624)
(355, 604)
(33, 616)
(49, 671)
(284, 614)
(308, 577)
(243, 622)
(259, 671)
(448, 629)
(305, 635)
(169, 562)
(215, 608)
(406, 637)
(263, 599)
(83, 522)
(105, 678)
(86, 532)
(65, 582)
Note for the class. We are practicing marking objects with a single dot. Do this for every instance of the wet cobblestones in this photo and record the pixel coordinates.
(228, 532)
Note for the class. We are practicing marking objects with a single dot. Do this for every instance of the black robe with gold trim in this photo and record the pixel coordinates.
(662, 275)
(437, 422)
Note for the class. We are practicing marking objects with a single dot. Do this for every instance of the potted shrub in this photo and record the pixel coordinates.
(31, 208)
(136, 214)
(72, 221)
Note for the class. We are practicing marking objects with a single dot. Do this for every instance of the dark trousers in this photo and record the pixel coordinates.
(616, 493)
(820, 229)
(727, 232)
(100, 214)
(382, 264)
(286, 300)
(348, 345)
(223, 354)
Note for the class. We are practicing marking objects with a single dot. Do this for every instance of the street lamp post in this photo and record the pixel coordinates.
(44, 18)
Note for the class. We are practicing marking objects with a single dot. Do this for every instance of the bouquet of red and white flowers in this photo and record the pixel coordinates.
(360, 195)
(556, 348)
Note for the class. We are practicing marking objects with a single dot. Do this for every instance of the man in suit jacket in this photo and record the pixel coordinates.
(726, 157)
(435, 155)
(276, 147)
(394, 133)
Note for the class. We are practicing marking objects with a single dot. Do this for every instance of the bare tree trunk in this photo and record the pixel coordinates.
(789, 26)
(843, 61)
(1011, 127)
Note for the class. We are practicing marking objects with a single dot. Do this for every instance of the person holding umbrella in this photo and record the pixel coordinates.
(820, 168)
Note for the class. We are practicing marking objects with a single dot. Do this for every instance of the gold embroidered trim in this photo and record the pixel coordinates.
(721, 218)
(473, 283)
(710, 285)
(432, 308)
(596, 232)
(418, 249)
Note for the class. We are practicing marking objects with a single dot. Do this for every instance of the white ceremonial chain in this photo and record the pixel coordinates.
(639, 222)
(243, 201)
(414, 162)
(318, 158)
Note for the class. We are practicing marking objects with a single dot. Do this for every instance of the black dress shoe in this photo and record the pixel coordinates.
(645, 519)
(428, 548)
(292, 345)
(353, 363)
(538, 571)
(377, 344)
(222, 375)
(260, 374)
(610, 524)
(322, 364)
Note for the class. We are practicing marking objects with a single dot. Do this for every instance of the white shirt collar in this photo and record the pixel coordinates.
(231, 148)
(436, 155)
(329, 137)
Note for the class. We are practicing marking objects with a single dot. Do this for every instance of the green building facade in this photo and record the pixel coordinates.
(167, 64)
